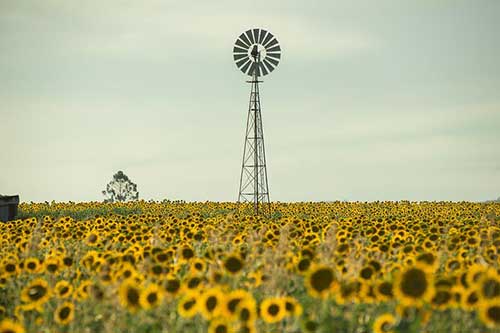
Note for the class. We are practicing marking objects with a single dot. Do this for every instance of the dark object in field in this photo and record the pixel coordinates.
(8, 207)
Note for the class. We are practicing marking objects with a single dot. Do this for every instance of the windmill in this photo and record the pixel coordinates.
(256, 53)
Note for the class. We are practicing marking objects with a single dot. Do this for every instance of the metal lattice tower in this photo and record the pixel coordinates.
(256, 53)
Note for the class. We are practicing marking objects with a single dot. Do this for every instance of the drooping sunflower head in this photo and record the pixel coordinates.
(211, 303)
(130, 294)
(489, 313)
(292, 307)
(220, 325)
(9, 326)
(233, 299)
(64, 313)
(36, 293)
(489, 285)
(384, 323)
(187, 307)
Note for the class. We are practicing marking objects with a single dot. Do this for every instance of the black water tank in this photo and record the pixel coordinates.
(8, 207)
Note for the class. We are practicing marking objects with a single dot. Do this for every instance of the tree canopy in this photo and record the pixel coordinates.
(120, 189)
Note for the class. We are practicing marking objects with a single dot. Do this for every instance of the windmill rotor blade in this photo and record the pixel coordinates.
(245, 39)
(240, 62)
(252, 68)
(240, 43)
(238, 56)
(274, 55)
(256, 35)
(267, 39)
(262, 35)
(245, 66)
(246, 63)
(269, 66)
(274, 49)
(250, 36)
(263, 68)
(239, 50)
(272, 61)
(271, 43)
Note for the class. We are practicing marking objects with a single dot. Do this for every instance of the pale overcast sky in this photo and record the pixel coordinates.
(372, 100)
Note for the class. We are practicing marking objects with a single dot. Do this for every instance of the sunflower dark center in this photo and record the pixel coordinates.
(441, 297)
(221, 328)
(64, 312)
(385, 288)
(304, 264)
(414, 283)
(322, 279)
(172, 286)
(232, 304)
(37, 292)
(187, 253)
(188, 305)
(193, 283)
(244, 314)
(491, 288)
(211, 303)
(152, 298)
(472, 298)
(273, 309)
(52, 268)
(366, 273)
(233, 264)
(31, 265)
(494, 313)
(133, 296)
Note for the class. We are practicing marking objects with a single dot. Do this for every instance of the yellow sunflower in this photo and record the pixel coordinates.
(36, 293)
(64, 313)
(384, 323)
(233, 264)
(32, 265)
(246, 311)
(292, 307)
(489, 313)
(233, 299)
(172, 285)
(320, 281)
(151, 296)
(130, 293)
(489, 285)
(273, 310)
(63, 289)
(220, 325)
(211, 303)
(188, 305)
(414, 285)
(9, 326)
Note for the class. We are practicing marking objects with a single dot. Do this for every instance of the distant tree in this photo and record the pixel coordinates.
(120, 189)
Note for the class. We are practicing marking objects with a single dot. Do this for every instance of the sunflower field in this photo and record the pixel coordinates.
(214, 267)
